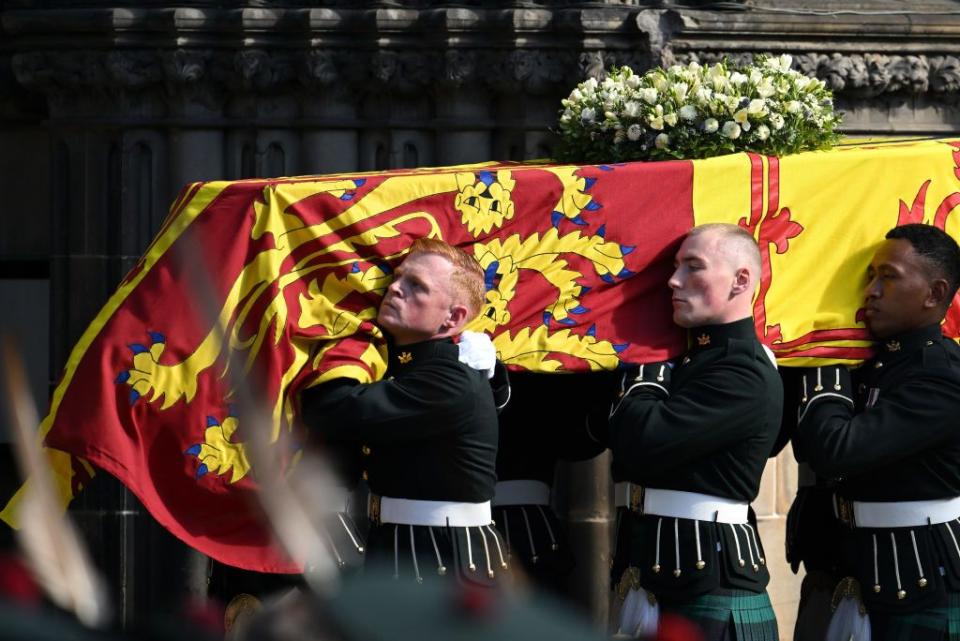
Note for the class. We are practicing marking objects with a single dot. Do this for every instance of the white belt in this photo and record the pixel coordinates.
(899, 513)
(686, 505)
(383, 509)
(524, 492)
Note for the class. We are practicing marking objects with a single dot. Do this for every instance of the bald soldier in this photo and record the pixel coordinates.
(692, 439)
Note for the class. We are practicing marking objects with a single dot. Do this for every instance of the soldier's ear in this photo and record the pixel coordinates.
(741, 281)
(456, 318)
(939, 295)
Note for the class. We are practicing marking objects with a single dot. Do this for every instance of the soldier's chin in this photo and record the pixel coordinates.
(683, 320)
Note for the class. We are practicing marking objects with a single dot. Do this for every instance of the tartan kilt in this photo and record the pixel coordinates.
(729, 615)
(929, 624)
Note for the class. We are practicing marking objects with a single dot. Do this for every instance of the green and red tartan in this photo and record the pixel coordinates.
(730, 615)
(931, 624)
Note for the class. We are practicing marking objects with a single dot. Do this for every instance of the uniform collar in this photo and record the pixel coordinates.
(402, 357)
(710, 336)
(909, 342)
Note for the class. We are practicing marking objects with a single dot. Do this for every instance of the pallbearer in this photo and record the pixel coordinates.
(692, 437)
(889, 434)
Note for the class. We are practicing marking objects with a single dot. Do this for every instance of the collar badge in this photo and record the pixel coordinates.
(404, 357)
(893, 346)
(703, 339)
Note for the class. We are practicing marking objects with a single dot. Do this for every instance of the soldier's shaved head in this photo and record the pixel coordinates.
(736, 244)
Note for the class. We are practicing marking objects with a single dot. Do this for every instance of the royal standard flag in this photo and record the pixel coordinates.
(575, 258)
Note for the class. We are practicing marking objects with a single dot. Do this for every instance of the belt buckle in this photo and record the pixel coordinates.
(373, 508)
(636, 498)
(845, 512)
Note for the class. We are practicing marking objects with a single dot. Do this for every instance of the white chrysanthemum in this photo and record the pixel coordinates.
(776, 121)
(763, 132)
(688, 112)
(731, 130)
(710, 125)
(737, 78)
(661, 141)
(634, 132)
(649, 95)
(588, 114)
(670, 119)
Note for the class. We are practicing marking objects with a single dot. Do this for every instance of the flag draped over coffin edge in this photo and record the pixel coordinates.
(575, 259)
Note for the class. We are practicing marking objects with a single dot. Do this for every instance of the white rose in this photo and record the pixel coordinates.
(741, 116)
(660, 82)
(631, 109)
(576, 95)
(633, 81)
(688, 112)
(608, 83)
(703, 94)
(803, 82)
(694, 66)
(757, 107)
(679, 91)
(634, 132)
(590, 84)
(649, 95)
(655, 122)
(737, 78)
(670, 119)
(661, 141)
(755, 76)
(763, 132)
(786, 60)
(731, 130)
(766, 89)
(793, 106)
(710, 125)
(609, 115)
(588, 115)
(776, 121)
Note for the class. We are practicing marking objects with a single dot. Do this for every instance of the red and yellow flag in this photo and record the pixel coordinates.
(575, 258)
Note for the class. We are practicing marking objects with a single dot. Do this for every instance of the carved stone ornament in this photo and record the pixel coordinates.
(862, 75)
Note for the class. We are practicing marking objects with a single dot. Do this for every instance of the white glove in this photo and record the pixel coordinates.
(477, 351)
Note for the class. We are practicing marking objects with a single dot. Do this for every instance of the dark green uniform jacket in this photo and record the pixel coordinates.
(708, 427)
(428, 431)
(890, 432)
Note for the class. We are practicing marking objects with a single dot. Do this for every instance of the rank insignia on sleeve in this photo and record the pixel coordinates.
(703, 339)
(405, 357)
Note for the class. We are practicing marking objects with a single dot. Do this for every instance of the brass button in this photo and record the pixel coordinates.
(365, 450)
(365, 476)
